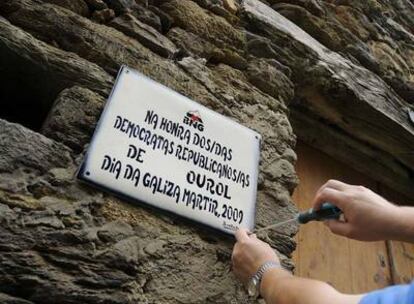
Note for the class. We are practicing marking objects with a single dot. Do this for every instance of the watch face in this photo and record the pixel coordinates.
(252, 287)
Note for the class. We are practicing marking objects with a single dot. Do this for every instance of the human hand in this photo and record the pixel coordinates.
(368, 216)
(249, 253)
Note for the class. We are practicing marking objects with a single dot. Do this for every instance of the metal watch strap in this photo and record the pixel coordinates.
(262, 269)
(265, 266)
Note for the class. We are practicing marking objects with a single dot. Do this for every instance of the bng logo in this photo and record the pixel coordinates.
(193, 118)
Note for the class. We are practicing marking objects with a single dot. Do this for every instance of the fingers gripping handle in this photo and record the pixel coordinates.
(326, 212)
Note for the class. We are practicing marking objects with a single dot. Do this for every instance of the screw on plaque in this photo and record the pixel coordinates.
(411, 115)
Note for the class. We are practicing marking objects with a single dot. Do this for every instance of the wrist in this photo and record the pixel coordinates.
(404, 228)
(270, 278)
(253, 286)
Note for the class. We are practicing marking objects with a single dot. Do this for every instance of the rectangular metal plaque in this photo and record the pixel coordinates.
(155, 146)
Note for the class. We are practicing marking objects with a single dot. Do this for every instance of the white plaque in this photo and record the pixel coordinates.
(155, 146)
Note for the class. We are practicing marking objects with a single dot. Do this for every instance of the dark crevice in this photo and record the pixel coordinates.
(26, 92)
(10, 299)
(21, 100)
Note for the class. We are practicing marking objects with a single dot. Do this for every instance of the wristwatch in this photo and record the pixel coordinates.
(253, 286)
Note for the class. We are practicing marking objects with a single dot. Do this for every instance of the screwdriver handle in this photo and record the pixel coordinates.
(326, 212)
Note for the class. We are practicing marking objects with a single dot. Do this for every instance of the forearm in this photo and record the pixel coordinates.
(403, 230)
(279, 286)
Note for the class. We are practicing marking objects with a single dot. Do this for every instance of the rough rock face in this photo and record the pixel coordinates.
(62, 242)
(342, 90)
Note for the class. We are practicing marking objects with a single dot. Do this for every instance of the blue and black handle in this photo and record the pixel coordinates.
(326, 212)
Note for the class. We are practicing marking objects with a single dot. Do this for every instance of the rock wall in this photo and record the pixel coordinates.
(62, 242)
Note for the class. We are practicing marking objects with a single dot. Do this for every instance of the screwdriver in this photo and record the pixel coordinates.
(326, 212)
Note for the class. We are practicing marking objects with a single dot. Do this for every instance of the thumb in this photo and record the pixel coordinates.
(339, 227)
(241, 235)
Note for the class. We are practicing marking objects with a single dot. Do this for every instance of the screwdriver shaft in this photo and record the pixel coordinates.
(276, 225)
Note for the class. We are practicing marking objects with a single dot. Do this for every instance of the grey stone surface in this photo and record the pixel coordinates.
(58, 68)
(96, 4)
(73, 117)
(147, 35)
(21, 147)
(105, 250)
(340, 91)
(77, 6)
